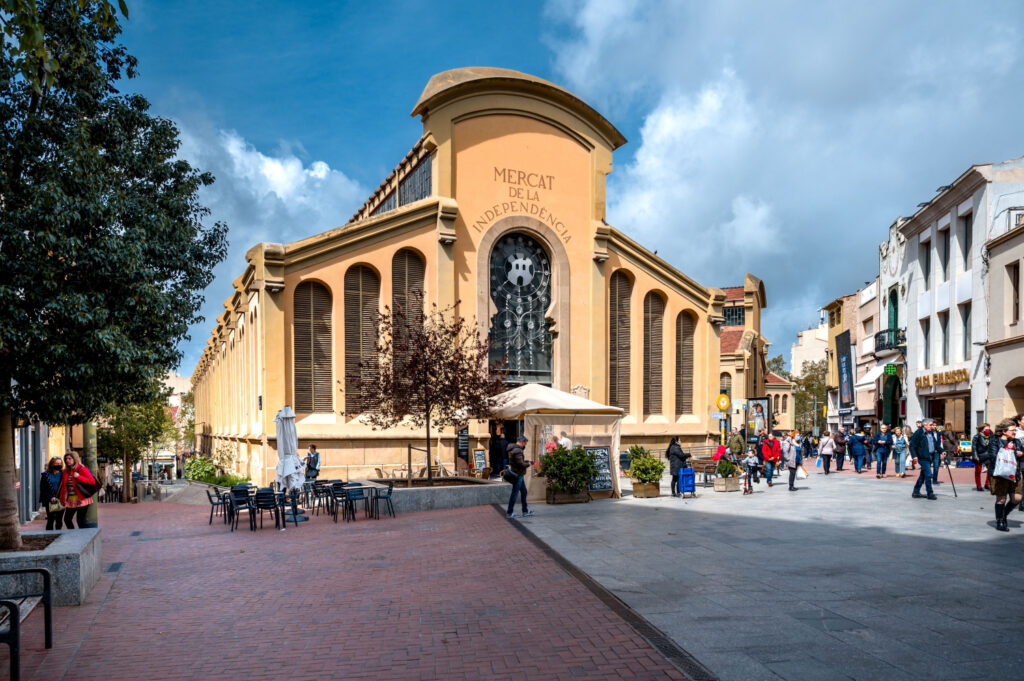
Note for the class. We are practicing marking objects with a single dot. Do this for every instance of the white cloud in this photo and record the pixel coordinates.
(262, 197)
(784, 138)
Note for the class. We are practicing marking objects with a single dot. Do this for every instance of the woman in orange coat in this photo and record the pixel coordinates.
(75, 501)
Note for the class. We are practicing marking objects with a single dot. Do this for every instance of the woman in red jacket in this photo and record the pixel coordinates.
(75, 502)
(772, 452)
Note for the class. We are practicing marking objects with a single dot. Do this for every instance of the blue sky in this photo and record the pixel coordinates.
(778, 138)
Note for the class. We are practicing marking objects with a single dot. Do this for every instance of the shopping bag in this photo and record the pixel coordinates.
(1006, 463)
(817, 464)
(801, 474)
(908, 462)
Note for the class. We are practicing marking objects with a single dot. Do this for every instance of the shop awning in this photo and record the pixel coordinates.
(868, 381)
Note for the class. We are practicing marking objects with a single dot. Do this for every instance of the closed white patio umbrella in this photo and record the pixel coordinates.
(289, 467)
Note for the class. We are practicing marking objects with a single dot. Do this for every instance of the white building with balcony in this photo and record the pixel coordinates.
(945, 275)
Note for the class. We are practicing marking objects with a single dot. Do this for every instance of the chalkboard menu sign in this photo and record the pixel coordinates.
(479, 459)
(464, 443)
(603, 480)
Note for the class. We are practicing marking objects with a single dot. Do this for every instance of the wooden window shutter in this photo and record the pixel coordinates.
(685, 325)
(311, 343)
(362, 301)
(620, 290)
(654, 313)
(407, 274)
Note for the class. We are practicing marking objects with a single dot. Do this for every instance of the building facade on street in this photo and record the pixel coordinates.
(867, 368)
(1005, 344)
(947, 279)
(744, 351)
(811, 346)
(499, 211)
(839, 380)
(890, 342)
(780, 392)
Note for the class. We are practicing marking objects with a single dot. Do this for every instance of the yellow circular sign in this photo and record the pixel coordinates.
(722, 402)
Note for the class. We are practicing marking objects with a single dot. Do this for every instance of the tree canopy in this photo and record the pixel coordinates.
(103, 248)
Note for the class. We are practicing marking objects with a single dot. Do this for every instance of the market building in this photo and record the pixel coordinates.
(947, 279)
(499, 211)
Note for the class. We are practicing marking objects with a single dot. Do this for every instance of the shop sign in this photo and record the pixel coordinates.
(890, 369)
(943, 378)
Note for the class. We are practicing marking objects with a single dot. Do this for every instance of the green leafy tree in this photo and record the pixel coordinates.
(809, 395)
(777, 365)
(103, 250)
(132, 432)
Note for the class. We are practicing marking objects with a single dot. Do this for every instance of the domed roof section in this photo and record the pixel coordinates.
(446, 85)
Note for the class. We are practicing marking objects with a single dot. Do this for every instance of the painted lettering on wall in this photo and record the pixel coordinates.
(943, 378)
(523, 189)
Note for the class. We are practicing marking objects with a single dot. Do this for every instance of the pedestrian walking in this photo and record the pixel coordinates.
(750, 464)
(676, 462)
(869, 446)
(858, 450)
(771, 453)
(1006, 489)
(900, 446)
(926, 448)
(49, 493)
(74, 498)
(840, 449)
(736, 444)
(910, 436)
(807, 448)
(883, 445)
(791, 454)
(826, 449)
(517, 464)
(980, 455)
(312, 464)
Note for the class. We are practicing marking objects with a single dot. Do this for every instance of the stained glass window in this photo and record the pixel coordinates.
(520, 283)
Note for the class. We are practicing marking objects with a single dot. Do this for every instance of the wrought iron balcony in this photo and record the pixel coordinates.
(891, 339)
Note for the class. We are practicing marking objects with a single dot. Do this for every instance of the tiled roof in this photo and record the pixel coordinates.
(774, 379)
(733, 292)
(732, 336)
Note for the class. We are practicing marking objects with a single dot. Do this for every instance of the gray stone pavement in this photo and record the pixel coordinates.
(847, 578)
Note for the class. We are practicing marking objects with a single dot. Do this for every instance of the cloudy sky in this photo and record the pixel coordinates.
(779, 138)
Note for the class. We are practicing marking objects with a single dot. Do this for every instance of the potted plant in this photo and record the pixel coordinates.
(727, 480)
(568, 472)
(646, 471)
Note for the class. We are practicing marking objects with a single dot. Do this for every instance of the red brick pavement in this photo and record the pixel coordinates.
(440, 595)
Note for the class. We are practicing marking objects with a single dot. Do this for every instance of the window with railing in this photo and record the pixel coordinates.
(734, 315)
(890, 339)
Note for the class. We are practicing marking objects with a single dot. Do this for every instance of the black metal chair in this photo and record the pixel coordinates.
(380, 496)
(241, 502)
(355, 494)
(267, 500)
(339, 501)
(218, 504)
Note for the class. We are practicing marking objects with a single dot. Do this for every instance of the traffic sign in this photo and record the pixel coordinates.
(718, 415)
(723, 402)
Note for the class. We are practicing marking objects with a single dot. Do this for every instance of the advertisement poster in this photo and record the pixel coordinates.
(845, 367)
(758, 417)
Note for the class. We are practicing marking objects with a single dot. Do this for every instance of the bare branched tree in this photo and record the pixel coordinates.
(429, 370)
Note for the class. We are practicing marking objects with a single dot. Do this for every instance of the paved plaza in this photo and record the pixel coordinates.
(439, 595)
(847, 578)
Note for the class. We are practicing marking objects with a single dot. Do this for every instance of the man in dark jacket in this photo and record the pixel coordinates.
(840, 453)
(926, 447)
(883, 445)
(736, 444)
(517, 464)
(676, 462)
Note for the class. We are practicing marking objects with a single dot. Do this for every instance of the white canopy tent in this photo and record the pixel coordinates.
(539, 406)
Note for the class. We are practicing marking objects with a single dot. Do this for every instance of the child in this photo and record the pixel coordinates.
(750, 463)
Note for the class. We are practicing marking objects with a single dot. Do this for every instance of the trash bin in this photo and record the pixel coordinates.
(687, 481)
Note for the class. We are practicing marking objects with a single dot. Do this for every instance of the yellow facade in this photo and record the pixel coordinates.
(508, 154)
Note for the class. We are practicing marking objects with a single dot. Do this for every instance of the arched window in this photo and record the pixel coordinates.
(311, 343)
(362, 301)
(407, 272)
(620, 289)
(775, 404)
(654, 314)
(685, 324)
(785, 403)
(725, 383)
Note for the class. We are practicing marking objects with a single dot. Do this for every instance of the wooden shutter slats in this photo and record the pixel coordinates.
(685, 326)
(311, 343)
(620, 290)
(362, 301)
(654, 312)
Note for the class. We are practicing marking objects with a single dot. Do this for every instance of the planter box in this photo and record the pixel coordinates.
(727, 484)
(554, 497)
(73, 560)
(646, 490)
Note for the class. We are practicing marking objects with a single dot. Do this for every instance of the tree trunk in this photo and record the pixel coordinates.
(10, 530)
(430, 472)
(126, 479)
